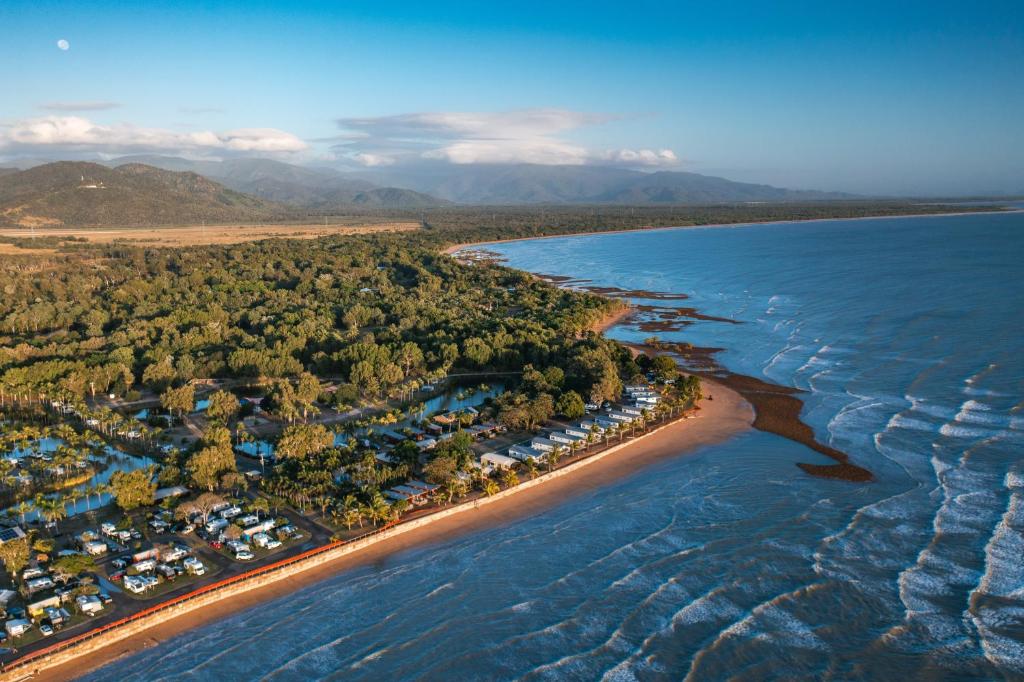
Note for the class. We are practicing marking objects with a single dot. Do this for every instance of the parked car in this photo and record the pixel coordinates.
(120, 563)
(104, 597)
(45, 629)
(244, 555)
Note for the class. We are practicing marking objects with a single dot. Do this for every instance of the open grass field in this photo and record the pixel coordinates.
(193, 235)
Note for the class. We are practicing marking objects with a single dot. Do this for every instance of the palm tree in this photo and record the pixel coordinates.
(490, 487)
(509, 478)
(52, 509)
(553, 457)
(24, 507)
(531, 468)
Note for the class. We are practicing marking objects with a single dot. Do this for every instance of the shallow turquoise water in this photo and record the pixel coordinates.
(905, 333)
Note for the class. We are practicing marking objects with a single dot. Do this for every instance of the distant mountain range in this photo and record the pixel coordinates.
(540, 184)
(438, 184)
(156, 190)
(321, 189)
(78, 193)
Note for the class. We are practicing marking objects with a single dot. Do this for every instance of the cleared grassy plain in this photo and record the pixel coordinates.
(194, 235)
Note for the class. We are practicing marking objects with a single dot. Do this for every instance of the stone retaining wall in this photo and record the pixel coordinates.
(141, 625)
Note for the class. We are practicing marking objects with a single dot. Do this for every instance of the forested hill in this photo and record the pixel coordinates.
(87, 194)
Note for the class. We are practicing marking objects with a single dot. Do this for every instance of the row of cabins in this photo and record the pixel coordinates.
(641, 399)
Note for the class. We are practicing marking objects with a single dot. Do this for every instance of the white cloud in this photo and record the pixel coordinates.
(79, 106)
(641, 157)
(525, 136)
(373, 159)
(60, 133)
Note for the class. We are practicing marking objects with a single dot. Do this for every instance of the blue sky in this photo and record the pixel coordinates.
(872, 97)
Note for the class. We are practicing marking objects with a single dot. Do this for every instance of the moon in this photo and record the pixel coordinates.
(63, 44)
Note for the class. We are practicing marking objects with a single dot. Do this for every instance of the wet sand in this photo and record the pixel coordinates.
(716, 421)
(777, 407)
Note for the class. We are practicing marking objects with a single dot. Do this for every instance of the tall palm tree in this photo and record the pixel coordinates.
(554, 456)
(51, 509)
(24, 507)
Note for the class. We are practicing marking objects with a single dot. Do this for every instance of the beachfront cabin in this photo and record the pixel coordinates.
(565, 438)
(637, 388)
(633, 410)
(588, 425)
(422, 485)
(545, 444)
(496, 461)
(607, 423)
(427, 444)
(652, 399)
(621, 417)
(525, 453)
(577, 431)
(414, 496)
(434, 429)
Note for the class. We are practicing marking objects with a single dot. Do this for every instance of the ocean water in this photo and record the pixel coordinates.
(906, 335)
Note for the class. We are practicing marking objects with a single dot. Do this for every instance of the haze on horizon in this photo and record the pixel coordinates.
(894, 98)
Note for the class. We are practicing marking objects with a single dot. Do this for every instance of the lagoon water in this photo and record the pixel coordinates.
(730, 562)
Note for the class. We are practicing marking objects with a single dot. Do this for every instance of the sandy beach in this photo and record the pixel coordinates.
(719, 419)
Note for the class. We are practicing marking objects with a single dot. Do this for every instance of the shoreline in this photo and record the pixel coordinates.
(451, 250)
(776, 407)
(718, 420)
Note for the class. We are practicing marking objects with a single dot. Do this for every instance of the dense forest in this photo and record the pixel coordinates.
(369, 311)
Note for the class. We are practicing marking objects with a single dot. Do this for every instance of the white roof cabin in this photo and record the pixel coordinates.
(493, 459)
(542, 443)
(564, 438)
(524, 453)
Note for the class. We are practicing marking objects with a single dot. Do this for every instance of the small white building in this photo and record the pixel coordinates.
(545, 444)
(496, 461)
(564, 438)
(526, 453)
